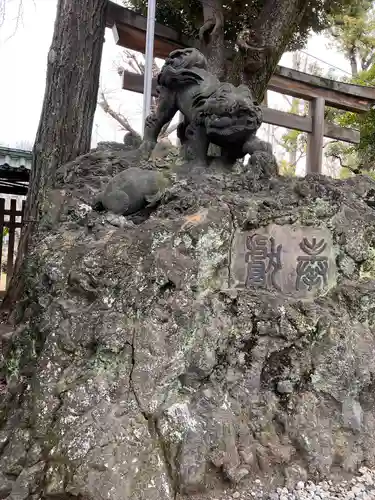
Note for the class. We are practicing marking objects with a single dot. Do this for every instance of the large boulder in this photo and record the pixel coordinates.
(223, 339)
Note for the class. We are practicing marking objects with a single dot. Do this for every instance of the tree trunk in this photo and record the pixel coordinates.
(212, 36)
(66, 121)
(353, 61)
(368, 61)
(266, 42)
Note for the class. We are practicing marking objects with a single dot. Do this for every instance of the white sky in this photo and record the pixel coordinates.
(23, 59)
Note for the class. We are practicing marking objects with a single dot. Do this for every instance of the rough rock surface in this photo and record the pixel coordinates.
(135, 372)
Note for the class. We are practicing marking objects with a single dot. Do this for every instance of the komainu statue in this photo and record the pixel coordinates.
(214, 112)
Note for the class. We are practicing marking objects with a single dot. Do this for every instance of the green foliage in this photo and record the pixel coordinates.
(185, 16)
(352, 32)
(287, 169)
(12, 365)
(365, 123)
(361, 157)
(347, 156)
(290, 141)
(346, 173)
(366, 148)
(295, 141)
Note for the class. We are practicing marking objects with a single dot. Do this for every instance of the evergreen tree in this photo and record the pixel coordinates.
(261, 29)
(353, 33)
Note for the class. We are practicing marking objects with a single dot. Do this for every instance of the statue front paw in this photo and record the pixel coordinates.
(254, 144)
(146, 148)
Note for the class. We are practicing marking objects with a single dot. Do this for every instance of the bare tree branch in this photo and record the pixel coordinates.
(342, 165)
(120, 118)
(19, 15)
(2, 12)
(155, 69)
(286, 98)
(132, 62)
(302, 155)
(278, 142)
(17, 19)
(130, 59)
(330, 142)
(167, 130)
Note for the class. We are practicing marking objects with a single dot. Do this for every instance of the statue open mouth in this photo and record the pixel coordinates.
(225, 131)
(229, 125)
(223, 122)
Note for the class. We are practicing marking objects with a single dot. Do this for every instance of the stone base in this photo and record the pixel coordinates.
(140, 370)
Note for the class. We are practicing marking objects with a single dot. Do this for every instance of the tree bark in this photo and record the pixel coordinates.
(367, 62)
(67, 116)
(212, 36)
(353, 61)
(266, 41)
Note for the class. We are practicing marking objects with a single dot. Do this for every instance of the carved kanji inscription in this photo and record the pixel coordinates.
(292, 260)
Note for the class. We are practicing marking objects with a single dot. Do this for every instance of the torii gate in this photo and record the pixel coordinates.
(130, 30)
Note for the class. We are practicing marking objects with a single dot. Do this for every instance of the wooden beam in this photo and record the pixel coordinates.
(118, 14)
(304, 124)
(341, 134)
(334, 98)
(134, 83)
(13, 189)
(131, 81)
(319, 81)
(134, 39)
(129, 30)
(315, 139)
(287, 120)
(16, 153)
(14, 174)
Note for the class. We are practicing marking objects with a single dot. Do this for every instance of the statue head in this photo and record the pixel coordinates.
(180, 68)
(231, 116)
(186, 58)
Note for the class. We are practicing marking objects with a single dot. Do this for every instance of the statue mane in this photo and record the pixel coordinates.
(180, 69)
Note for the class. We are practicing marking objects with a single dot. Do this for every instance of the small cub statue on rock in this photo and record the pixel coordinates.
(214, 112)
(131, 191)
